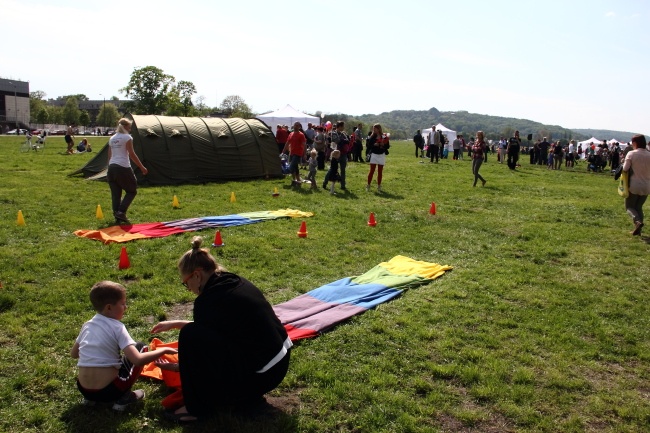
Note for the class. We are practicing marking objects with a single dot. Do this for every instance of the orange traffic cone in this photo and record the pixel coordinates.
(98, 213)
(432, 209)
(20, 220)
(175, 203)
(302, 233)
(124, 260)
(275, 192)
(232, 197)
(217, 240)
(371, 220)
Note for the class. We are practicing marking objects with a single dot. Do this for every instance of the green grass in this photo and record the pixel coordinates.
(542, 325)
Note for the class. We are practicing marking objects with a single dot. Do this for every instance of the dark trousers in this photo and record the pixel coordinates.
(320, 158)
(211, 376)
(434, 151)
(512, 160)
(121, 179)
(634, 206)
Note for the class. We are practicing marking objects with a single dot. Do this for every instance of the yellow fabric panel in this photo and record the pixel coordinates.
(402, 265)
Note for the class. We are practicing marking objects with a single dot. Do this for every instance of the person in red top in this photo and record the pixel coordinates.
(296, 146)
(281, 135)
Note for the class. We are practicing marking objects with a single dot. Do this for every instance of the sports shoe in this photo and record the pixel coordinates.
(88, 403)
(378, 188)
(637, 228)
(367, 188)
(129, 398)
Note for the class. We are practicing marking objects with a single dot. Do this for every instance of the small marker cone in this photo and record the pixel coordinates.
(98, 213)
(232, 197)
(371, 220)
(124, 260)
(302, 233)
(275, 192)
(217, 240)
(20, 220)
(432, 209)
(175, 203)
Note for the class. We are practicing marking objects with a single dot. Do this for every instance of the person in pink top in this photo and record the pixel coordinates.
(637, 165)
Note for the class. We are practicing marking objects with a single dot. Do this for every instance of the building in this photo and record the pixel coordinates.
(14, 104)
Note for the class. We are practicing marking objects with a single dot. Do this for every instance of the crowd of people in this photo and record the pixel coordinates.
(311, 148)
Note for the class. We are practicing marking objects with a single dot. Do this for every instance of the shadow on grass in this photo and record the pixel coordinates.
(275, 416)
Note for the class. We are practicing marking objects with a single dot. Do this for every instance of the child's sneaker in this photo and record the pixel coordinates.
(127, 399)
(88, 403)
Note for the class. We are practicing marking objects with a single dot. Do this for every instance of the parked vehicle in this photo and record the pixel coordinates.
(13, 132)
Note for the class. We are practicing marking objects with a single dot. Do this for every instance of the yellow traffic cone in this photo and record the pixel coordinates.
(20, 220)
(175, 203)
(275, 192)
(98, 213)
(232, 197)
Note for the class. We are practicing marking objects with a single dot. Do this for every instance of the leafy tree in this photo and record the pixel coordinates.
(201, 108)
(84, 118)
(235, 106)
(36, 104)
(149, 89)
(42, 116)
(71, 111)
(107, 115)
(186, 90)
(55, 114)
(78, 97)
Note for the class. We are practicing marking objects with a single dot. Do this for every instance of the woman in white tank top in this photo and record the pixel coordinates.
(120, 174)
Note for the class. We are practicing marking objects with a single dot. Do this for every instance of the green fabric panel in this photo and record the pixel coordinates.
(380, 275)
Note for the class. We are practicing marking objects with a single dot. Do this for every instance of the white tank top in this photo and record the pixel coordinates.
(119, 154)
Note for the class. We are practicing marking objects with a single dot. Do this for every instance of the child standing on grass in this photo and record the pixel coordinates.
(313, 166)
(104, 375)
(333, 173)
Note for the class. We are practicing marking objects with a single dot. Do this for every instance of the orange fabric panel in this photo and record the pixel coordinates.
(171, 378)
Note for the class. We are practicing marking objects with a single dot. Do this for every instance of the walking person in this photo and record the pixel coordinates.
(478, 150)
(120, 175)
(379, 145)
(433, 144)
(419, 144)
(637, 165)
(514, 145)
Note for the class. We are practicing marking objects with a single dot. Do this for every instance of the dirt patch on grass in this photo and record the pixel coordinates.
(175, 312)
(289, 402)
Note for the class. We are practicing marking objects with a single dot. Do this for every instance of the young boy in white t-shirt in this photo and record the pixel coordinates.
(104, 375)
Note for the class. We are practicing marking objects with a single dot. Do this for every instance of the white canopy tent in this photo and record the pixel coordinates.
(451, 135)
(593, 140)
(287, 116)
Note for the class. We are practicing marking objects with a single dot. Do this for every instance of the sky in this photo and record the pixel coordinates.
(573, 63)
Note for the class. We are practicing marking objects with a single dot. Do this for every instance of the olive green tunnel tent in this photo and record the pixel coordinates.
(179, 150)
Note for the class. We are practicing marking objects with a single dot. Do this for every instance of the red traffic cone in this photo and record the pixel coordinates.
(217, 240)
(124, 260)
(371, 220)
(432, 209)
(302, 233)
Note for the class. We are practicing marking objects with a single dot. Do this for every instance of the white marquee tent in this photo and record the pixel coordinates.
(451, 135)
(287, 116)
(593, 140)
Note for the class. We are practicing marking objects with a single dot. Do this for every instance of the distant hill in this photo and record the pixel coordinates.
(605, 134)
(403, 124)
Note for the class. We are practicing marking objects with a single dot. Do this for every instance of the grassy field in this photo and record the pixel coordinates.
(542, 326)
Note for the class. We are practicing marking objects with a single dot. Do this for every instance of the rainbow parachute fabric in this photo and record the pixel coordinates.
(126, 233)
(314, 312)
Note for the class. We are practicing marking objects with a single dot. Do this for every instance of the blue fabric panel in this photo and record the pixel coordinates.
(344, 291)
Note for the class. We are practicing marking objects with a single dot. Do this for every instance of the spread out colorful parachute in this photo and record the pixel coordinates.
(314, 312)
(126, 233)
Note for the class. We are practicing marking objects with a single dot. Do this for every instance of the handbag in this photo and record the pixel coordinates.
(623, 185)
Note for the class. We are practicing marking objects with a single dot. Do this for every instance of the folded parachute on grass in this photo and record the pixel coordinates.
(319, 310)
(126, 233)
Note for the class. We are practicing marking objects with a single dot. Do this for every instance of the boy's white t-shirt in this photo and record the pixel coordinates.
(100, 341)
(119, 154)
